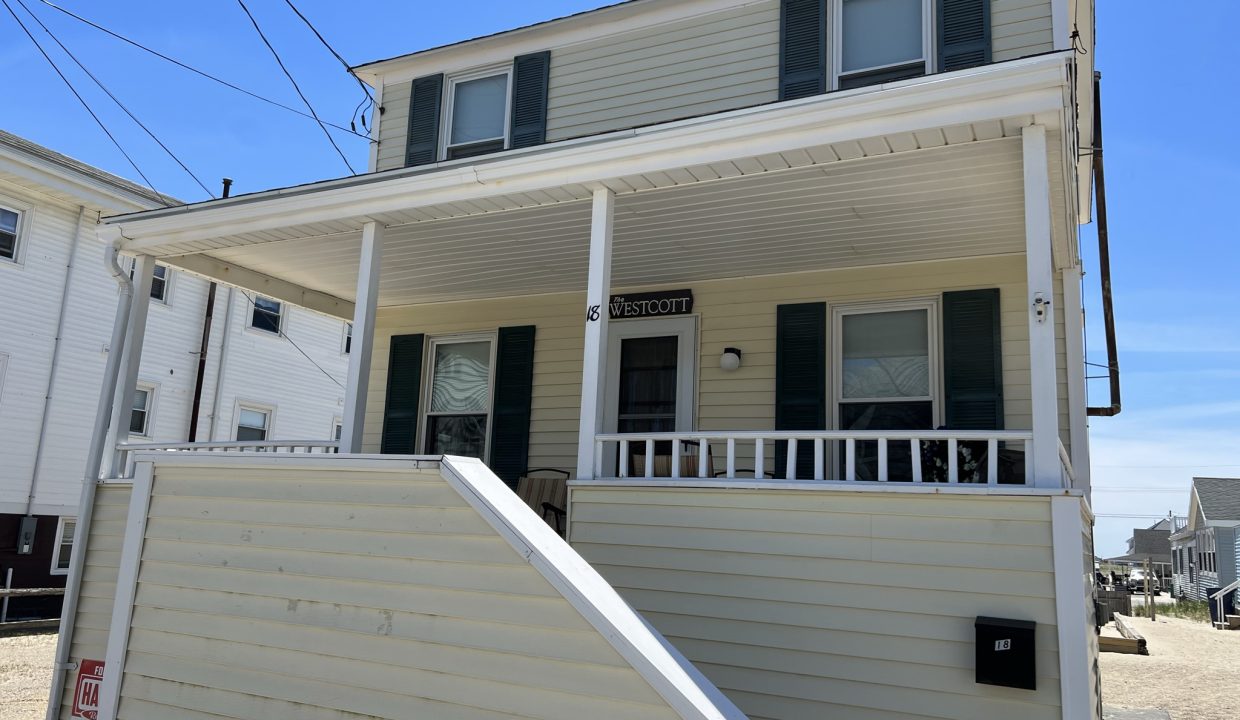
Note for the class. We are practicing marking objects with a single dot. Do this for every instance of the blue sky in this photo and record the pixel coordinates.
(1171, 170)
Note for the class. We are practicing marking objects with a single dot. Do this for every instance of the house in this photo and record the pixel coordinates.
(213, 368)
(798, 310)
(1206, 552)
(1152, 544)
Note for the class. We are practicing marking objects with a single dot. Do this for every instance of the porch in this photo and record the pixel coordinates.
(859, 202)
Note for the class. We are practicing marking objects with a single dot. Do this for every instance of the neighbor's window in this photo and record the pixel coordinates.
(348, 338)
(266, 315)
(477, 115)
(65, 530)
(253, 424)
(140, 417)
(459, 405)
(159, 281)
(881, 41)
(9, 220)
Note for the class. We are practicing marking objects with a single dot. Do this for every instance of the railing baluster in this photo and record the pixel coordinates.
(819, 459)
(882, 460)
(759, 459)
(992, 462)
(649, 458)
(598, 459)
(703, 457)
(731, 458)
(791, 470)
(624, 458)
(915, 454)
(675, 458)
(952, 461)
(850, 460)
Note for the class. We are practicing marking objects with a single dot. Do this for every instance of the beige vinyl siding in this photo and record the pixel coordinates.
(393, 126)
(1020, 27)
(706, 64)
(832, 603)
(289, 591)
(731, 313)
(90, 627)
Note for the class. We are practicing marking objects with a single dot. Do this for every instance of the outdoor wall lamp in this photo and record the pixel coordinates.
(730, 359)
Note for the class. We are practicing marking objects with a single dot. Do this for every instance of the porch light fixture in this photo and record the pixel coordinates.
(730, 359)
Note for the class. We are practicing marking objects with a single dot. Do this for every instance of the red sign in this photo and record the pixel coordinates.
(86, 694)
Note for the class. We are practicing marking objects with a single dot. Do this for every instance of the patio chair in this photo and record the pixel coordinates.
(662, 465)
(545, 490)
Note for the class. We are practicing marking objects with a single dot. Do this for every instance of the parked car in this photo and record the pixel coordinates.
(1136, 582)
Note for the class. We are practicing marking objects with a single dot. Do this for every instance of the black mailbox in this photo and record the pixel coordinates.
(1005, 652)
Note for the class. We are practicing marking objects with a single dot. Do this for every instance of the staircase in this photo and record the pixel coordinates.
(1228, 622)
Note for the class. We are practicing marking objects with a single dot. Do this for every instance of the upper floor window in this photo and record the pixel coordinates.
(266, 315)
(140, 415)
(477, 114)
(9, 220)
(882, 41)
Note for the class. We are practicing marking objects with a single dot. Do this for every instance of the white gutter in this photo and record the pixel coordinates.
(51, 373)
(90, 481)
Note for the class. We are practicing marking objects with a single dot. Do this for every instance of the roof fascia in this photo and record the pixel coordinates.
(1029, 87)
(554, 34)
(91, 191)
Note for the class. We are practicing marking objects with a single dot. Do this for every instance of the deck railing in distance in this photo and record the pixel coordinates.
(948, 456)
(127, 450)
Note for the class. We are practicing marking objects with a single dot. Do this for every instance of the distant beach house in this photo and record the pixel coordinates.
(1206, 552)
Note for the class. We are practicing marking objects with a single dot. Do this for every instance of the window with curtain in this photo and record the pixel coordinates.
(459, 407)
(479, 117)
(881, 40)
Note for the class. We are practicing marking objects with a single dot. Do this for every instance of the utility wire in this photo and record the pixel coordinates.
(195, 70)
(289, 75)
(83, 101)
(290, 341)
(365, 88)
(117, 100)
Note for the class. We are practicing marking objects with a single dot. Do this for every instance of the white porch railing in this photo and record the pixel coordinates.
(697, 451)
(126, 451)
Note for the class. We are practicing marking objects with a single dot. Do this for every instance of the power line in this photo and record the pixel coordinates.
(195, 70)
(365, 89)
(289, 75)
(290, 341)
(116, 100)
(77, 95)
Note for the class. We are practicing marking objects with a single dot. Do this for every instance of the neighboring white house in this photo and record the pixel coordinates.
(54, 336)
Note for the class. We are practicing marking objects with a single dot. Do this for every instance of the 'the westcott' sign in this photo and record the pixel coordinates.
(652, 304)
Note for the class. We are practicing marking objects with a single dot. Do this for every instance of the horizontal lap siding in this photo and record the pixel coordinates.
(832, 604)
(1020, 27)
(393, 126)
(282, 592)
(706, 64)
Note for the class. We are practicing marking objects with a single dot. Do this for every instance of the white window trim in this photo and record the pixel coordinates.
(428, 379)
(152, 395)
(448, 101)
(929, 46)
(251, 306)
(25, 218)
(60, 534)
(934, 321)
(268, 410)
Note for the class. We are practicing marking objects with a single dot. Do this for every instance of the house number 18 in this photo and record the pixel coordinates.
(592, 313)
(1003, 645)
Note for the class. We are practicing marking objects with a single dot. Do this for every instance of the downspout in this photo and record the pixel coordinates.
(51, 374)
(203, 347)
(90, 481)
(219, 368)
(1104, 261)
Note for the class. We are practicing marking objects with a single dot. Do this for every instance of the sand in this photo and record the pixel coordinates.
(1192, 671)
(25, 674)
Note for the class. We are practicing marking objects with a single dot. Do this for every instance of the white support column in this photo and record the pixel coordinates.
(131, 361)
(362, 348)
(1038, 266)
(1078, 398)
(1073, 593)
(594, 369)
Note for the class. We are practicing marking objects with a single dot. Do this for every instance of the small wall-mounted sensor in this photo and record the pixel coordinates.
(25, 535)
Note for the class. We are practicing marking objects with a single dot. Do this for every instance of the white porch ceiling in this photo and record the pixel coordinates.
(955, 192)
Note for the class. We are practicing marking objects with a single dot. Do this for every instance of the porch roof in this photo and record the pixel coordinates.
(925, 169)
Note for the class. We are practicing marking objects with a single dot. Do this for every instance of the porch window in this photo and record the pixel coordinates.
(266, 315)
(140, 415)
(458, 411)
(253, 424)
(65, 530)
(885, 379)
(477, 114)
(8, 233)
(881, 41)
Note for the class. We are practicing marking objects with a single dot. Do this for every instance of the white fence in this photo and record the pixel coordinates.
(127, 451)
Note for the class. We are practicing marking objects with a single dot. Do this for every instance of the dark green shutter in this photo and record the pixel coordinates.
(972, 365)
(404, 386)
(802, 48)
(964, 34)
(530, 75)
(800, 379)
(425, 99)
(510, 416)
